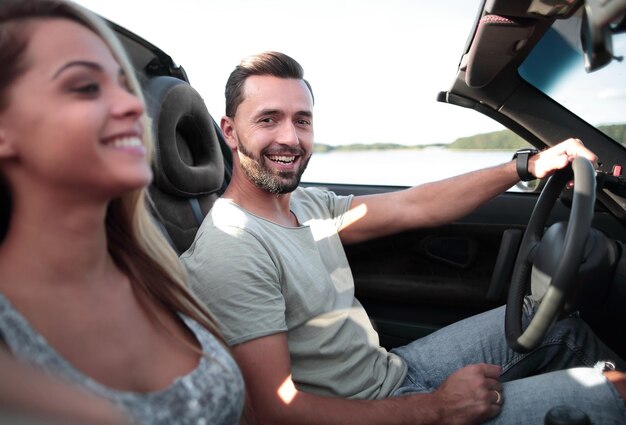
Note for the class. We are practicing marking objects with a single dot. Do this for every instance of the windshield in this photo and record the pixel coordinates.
(556, 67)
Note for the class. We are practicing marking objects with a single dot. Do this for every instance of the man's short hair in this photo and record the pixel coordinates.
(267, 63)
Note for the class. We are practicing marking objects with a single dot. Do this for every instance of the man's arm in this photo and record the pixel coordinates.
(441, 202)
(466, 397)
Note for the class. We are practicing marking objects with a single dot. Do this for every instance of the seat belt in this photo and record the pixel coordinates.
(196, 210)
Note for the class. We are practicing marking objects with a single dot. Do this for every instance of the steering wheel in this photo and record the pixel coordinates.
(553, 257)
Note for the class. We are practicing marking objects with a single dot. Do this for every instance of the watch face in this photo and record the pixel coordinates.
(530, 151)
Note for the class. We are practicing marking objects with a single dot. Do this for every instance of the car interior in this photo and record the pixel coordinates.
(416, 282)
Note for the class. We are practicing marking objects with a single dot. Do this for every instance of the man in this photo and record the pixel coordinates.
(269, 262)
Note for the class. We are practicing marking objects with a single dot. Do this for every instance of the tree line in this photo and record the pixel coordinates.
(497, 140)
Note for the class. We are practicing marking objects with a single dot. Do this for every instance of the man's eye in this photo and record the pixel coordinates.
(267, 120)
(304, 122)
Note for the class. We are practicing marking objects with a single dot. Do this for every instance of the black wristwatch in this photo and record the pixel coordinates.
(521, 163)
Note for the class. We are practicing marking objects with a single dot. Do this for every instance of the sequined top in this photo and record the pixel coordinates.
(212, 393)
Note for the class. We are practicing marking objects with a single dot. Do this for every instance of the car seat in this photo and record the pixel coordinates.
(188, 164)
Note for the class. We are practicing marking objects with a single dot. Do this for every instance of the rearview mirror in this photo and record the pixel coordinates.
(597, 29)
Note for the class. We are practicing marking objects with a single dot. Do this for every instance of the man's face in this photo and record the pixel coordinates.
(273, 132)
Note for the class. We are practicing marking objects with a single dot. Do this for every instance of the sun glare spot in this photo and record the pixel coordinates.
(287, 391)
(354, 215)
(586, 377)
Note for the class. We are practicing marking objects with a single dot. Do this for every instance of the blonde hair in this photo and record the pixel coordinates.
(135, 241)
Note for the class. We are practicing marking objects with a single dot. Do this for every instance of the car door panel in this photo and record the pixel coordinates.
(415, 282)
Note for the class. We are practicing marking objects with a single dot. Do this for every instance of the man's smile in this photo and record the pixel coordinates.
(282, 159)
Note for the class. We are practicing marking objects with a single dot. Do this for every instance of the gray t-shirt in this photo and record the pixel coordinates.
(210, 394)
(260, 278)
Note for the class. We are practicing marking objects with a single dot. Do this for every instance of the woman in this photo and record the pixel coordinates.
(90, 290)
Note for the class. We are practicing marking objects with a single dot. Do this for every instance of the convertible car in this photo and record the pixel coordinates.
(562, 239)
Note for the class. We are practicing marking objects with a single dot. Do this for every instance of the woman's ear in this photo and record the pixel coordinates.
(7, 150)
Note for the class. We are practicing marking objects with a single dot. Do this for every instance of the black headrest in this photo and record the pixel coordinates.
(188, 161)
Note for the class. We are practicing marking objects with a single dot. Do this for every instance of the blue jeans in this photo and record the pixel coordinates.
(533, 383)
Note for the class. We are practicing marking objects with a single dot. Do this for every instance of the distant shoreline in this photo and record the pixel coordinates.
(322, 148)
(504, 140)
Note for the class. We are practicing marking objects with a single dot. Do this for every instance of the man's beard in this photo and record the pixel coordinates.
(264, 178)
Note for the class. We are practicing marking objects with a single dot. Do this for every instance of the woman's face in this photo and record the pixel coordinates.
(71, 123)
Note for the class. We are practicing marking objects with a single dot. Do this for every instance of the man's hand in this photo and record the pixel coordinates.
(546, 162)
(471, 395)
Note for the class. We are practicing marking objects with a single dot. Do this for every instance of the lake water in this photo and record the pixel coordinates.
(398, 167)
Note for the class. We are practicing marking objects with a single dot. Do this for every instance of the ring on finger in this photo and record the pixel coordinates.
(499, 398)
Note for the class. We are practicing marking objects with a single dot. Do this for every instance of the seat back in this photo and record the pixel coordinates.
(188, 164)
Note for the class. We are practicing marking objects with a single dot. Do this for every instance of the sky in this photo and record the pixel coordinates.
(375, 66)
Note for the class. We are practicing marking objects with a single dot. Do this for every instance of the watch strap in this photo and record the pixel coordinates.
(521, 163)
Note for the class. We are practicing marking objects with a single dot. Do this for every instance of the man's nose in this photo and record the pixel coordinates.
(288, 134)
